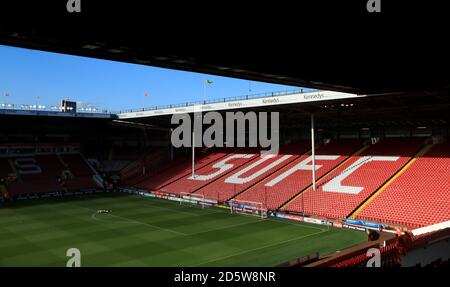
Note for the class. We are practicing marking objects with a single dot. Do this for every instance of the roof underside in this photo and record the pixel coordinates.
(364, 54)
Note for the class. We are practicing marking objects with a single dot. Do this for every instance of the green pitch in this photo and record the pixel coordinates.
(150, 232)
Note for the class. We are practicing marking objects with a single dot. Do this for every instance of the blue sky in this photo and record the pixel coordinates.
(26, 74)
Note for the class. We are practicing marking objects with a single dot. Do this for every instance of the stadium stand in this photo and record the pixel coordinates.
(211, 172)
(144, 166)
(77, 165)
(252, 172)
(349, 185)
(420, 196)
(82, 173)
(349, 173)
(40, 173)
(284, 184)
(404, 249)
(344, 189)
(389, 255)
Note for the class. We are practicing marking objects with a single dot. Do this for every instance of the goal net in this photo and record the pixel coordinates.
(192, 199)
(248, 208)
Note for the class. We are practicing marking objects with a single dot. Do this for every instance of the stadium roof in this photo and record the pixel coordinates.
(411, 109)
(244, 102)
(327, 49)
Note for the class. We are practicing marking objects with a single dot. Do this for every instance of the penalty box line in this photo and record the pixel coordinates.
(147, 224)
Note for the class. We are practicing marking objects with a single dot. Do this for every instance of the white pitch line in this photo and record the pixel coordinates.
(93, 216)
(297, 224)
(177, 211)
(150, 225)
(128, 220)
(258, 248)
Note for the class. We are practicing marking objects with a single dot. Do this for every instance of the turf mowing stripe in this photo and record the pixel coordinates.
(136, 221)
(256, 221)
(94, 217)
(49, 227)
(146, 213)
(195, 233)
(258, 248)
(226, 227)
(147, 224)
(48, 245)
(49, 248)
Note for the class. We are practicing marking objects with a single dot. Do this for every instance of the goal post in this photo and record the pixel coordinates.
(248, 208)
(192, 199)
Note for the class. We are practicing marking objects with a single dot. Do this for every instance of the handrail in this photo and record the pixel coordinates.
(35, 108)
(54, 109)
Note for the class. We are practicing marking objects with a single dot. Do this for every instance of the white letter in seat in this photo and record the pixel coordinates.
(335, 185)
(222, 165)
(236, 179)
(303, 165)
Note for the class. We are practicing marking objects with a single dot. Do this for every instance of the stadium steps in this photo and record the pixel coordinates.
(322, 177)
(82, 174)
(96, 177)
(359, 208)
(14, 169)
(269, 174)
(61, 160)
(92, 169)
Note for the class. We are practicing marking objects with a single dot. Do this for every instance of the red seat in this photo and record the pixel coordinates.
(274, 195)
(255, 170)
(179, 169)
(44, 181)
(420, 196)
(209, 173)
(337, 196)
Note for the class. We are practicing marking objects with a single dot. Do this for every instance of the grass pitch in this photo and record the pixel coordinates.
(151, 232)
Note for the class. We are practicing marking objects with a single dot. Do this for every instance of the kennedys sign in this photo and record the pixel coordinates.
(242, 104)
